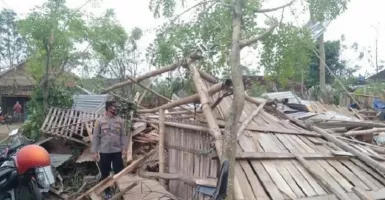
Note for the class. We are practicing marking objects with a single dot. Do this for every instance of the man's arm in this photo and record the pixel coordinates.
(123, 137)
(95, 143)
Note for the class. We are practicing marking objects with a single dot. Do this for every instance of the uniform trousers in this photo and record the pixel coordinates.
(105, 164)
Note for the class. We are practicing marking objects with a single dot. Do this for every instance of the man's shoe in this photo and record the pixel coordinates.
(107, 195)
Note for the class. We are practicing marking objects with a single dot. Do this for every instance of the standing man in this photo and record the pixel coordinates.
(17, 111)
(109, 142)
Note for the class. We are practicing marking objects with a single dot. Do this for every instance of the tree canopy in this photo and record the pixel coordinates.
(12, 46)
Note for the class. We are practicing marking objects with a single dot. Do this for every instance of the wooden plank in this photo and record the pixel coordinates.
(362, 194)
(369, 170)
(245, 185)
(372, 183)
(334, 171)
(346, 172)
(285, 168)
(47, 118)
(94, 196)
(146, 189)
(65, 122)
(275, 169)
(295, 173)
(55, 120)
(60, 121)
(313, 183)
(362, 175)
(84, 117)
(269, 185)
(49, 125)
(256, 186)
(284, 156)
(78, 122)
(341, 195)
(323, 167)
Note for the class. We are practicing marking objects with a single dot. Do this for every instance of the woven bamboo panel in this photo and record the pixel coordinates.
(69, 123)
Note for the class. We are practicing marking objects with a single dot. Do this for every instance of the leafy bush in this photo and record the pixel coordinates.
(59, 96)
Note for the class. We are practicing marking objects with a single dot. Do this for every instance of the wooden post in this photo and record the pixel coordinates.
(248, 120)
(214, 129)
(305, 164)
(162, 166)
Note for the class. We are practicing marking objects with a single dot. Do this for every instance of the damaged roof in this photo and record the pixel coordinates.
(267, 166)
(91, 102)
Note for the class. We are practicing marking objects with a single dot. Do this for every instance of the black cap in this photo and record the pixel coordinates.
(109, 104)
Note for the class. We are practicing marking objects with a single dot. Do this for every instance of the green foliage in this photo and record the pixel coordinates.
(327, 9)
(209, 29)
(286, 54)
(375, 89)
(58, 97)
(106, 44)
(52, 31)
(12, 45)
(333, 61)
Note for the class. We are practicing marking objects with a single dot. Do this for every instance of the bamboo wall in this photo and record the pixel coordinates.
(188, 155)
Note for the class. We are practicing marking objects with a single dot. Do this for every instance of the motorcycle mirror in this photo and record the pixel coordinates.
(13, 132)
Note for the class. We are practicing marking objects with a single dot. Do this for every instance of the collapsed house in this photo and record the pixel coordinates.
(279, 155)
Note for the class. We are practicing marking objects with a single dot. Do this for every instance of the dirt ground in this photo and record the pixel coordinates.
(5, 129)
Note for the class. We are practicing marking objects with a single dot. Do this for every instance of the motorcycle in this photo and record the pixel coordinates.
(25, 171)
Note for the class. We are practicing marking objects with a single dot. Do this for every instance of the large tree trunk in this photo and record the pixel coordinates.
(321, 47)
(232, 118)
(44, 82)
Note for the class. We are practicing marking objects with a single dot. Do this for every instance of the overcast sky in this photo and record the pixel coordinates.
(356, 23)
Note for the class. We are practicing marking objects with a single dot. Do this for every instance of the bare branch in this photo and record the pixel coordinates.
(260, 37)
(274, 9)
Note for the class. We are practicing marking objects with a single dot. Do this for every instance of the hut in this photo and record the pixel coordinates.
(276, 159)
(16, 84)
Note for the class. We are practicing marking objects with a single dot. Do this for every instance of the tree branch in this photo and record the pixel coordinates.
(274, 9)
(260, 37)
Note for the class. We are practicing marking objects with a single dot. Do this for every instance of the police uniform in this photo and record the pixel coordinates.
(109, 139)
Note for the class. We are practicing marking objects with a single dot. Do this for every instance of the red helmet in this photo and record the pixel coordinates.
(31, 156)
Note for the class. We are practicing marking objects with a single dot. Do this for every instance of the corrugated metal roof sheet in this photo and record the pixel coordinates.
(282, 95)
(59, 159)
(91, 103)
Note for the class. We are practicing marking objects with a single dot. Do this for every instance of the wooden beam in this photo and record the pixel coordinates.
(249, 118)
(190, 180)
(122, 192)
(282, 155)
(190, 99)
(162, 163)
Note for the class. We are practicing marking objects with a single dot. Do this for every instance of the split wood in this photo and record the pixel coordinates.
(162, 163)
(364, 132)
(122, 192)
(248, 120)
(190, 180)
(101, 186)
(190, 99)
(365, 158)
(306, 165)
